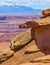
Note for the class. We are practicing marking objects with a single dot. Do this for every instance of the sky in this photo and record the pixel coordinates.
(36, 4)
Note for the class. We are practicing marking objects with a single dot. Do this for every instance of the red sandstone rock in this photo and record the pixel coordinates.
(42, 36)
(28, 24)
(36, 23)
(41, 33)
(46, 12)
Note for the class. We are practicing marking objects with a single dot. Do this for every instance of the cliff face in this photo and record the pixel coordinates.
(42, 37)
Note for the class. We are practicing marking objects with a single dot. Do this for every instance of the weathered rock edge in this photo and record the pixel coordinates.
(35, 23)
(5, 54)
(21, 40)
(46, 12)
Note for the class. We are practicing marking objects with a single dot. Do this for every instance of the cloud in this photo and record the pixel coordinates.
(47, 0)
(29, 3)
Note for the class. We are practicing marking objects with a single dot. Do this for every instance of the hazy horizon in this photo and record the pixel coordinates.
(22, 7)
(35, 4)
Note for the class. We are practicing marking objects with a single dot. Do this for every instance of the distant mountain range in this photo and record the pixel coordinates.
(18, 10)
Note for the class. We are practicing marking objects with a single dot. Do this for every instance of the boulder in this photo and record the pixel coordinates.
(46, 12)
(21, 40)
(42, 33)
(5, 54)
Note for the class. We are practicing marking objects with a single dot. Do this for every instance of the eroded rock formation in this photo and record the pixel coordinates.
(29, 24)
(34, 23)
(5, 54)
(40, 29)
(23, 39)
(40, 32)
(46, 12)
